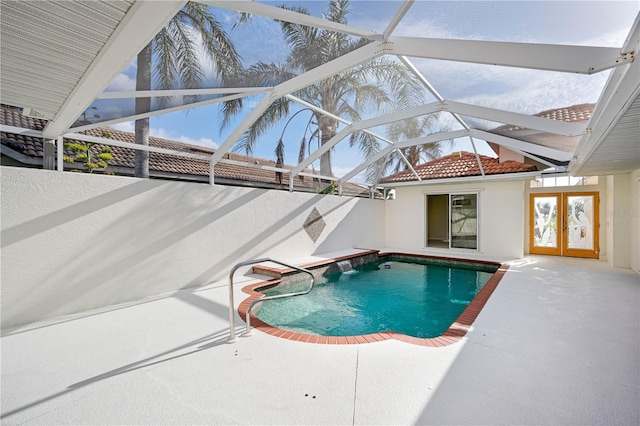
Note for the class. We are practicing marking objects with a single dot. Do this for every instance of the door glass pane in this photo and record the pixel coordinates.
(545, 211)
(464, 221)
(580, 222)
(438, 221)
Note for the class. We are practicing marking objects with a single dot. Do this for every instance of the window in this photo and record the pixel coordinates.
(552, 182)
(452, 221)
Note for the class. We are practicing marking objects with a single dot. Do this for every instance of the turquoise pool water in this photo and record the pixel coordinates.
(419, 300)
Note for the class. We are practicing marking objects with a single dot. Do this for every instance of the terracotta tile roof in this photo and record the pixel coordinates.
(165, 165)
(459, 164)
(574, 113)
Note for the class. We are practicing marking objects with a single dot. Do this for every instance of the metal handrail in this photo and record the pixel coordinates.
(232, 319)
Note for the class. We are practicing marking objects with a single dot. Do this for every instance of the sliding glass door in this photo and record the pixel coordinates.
(464, 221)
(452, 221)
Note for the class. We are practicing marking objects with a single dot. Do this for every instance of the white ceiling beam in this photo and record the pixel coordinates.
(348, 123)
(335, 117)
(280, 14)
(429, 87)
(180, 92)
(404, 114)
(318, 109)
(141, 23)
(324, 71)
(158, 112)
(404, 8)
(549, 57)
(521, 145)
(436, 137)
(523, 120)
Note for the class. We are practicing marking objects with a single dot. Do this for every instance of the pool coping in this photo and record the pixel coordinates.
(454, 333)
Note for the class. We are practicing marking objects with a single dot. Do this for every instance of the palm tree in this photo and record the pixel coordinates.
(410, 128)
(369, 86)
(177, 63)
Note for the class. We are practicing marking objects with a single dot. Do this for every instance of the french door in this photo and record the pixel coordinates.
(564, 224)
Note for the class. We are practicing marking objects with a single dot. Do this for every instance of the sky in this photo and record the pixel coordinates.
(603, 23)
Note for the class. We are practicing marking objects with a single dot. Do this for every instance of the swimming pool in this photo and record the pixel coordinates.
(417, 297)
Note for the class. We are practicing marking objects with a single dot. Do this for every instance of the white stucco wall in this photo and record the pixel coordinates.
(623, 220)
(634, 217)
(618, 220)
(500, 219)
(72, 242)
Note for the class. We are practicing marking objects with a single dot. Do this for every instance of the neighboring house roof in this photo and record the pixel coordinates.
(29, 150)
(459, 164)
(575, 113)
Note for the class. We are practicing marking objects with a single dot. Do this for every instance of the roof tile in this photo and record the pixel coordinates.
(459, 164)
(125, 157)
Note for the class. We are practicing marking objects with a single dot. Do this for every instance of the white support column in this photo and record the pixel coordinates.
(59, 154)
(49, 154)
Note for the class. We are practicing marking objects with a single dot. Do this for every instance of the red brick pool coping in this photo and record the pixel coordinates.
(454, 333)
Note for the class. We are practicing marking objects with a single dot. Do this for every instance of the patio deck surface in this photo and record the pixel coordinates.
(557, 343)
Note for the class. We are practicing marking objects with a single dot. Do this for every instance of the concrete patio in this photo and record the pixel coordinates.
(557, 343)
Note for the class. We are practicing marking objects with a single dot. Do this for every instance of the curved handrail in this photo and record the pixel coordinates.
(232, 319)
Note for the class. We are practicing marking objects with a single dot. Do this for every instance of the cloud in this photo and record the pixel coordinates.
(122, 82)
(159, 132)
(127, 126)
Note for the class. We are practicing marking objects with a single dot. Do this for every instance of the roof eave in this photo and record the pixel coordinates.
(465, 179)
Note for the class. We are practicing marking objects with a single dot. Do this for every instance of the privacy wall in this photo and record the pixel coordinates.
(73, 242)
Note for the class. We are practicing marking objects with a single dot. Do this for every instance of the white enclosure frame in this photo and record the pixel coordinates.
(145, 19)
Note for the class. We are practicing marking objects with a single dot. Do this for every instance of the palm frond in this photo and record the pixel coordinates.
(276, 111)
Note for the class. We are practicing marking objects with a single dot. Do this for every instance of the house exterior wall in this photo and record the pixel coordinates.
(634, 217)
(622, 194)
(72, 242)
(500, 211)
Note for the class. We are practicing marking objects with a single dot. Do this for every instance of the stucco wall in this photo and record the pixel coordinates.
(618, 220)
(72, 242)
(634, 217)
(501, 225)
